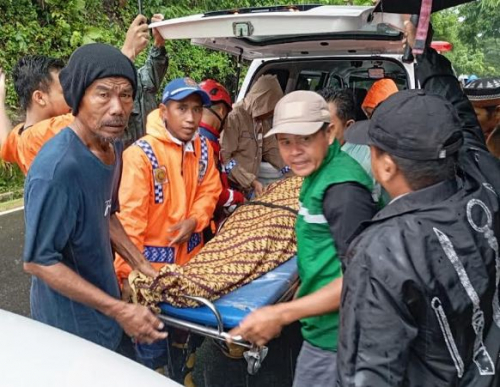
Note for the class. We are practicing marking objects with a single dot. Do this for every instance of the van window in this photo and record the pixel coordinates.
(342, 73)
(311, 80)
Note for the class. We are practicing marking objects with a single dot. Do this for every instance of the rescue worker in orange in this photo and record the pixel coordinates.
(244, 145)
(211, 127)
(170, 184)
(379, 92)
(169, 189)
(36, 81)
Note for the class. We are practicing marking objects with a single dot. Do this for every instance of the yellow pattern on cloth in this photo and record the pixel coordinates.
(255, 239)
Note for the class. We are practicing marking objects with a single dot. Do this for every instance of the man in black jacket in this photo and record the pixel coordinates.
(420, 303)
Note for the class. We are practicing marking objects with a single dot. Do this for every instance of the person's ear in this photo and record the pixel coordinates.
(330, 133)
(349, 123)
(163, 113)
(38, 97)
(383, 166)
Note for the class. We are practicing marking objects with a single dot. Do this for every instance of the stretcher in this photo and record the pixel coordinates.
(215, 319)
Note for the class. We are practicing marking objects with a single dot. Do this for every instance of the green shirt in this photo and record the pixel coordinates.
(149, 79)
(318, 261)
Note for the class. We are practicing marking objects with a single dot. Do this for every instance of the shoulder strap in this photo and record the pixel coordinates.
(148, 151)
(203, 159)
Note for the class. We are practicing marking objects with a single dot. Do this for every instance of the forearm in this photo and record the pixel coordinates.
(123, 245)
(5, 124)
(323, 301)
(65, 281)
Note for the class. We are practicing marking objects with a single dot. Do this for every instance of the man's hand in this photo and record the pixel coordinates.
(140, 323)
(257, 187)
(137, 37)
(158, 39)
(410, 34)
(261, 326)
(184, 229)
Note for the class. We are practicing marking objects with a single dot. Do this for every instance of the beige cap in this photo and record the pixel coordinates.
(301, 113)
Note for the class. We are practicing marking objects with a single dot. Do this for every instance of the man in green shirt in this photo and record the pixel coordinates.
(335, 198)
(149, 77)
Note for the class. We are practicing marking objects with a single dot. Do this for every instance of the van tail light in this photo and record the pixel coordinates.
(442, 46)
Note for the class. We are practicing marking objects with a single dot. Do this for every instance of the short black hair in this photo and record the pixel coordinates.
(423, 174)
(31, 73)
(343, 100)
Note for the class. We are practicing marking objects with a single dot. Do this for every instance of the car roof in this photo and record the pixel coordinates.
(35, 354)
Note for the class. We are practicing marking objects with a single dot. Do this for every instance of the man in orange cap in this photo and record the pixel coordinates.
(379, 92)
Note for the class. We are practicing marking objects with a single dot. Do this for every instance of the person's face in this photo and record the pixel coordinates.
(489, 118)
(222, 111)
(106, 106)
(304, 154)
(368, 111)
(337, 125)
(182, 118)
(56, 103)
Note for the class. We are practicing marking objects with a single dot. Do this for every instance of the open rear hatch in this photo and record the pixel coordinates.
(291, 31)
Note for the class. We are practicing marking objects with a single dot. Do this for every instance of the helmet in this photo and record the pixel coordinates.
(217, 92)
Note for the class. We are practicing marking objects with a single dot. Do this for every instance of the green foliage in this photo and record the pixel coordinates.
(58, 27)
(11, 177)
(474, 29)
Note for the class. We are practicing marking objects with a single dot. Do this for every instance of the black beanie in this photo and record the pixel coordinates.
(89, 63)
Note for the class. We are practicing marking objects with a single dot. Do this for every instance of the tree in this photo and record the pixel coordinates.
(474, 30)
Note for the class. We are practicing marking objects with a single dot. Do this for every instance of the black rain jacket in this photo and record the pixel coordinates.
(420, 304)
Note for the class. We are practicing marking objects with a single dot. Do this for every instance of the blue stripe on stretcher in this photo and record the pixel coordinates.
(159, 254)
(234, 307)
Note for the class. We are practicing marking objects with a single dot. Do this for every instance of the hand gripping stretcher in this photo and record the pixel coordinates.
(214, 319)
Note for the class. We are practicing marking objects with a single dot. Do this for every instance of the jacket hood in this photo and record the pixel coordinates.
(263, 96)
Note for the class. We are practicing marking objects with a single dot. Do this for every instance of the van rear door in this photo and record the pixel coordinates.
(291, 31)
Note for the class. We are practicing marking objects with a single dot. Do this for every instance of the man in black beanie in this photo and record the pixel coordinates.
(70, 205)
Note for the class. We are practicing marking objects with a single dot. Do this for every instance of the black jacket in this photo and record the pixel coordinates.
(420, 288)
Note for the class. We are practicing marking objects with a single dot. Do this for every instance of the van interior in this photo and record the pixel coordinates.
(357, 73)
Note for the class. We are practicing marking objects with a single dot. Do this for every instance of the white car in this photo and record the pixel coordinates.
(33, 354)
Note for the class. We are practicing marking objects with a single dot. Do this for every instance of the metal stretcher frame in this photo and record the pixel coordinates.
(215, 319)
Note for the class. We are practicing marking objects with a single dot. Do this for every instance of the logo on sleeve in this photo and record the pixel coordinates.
(107, 203)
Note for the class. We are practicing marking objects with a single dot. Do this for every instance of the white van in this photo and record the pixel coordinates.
(308, 47)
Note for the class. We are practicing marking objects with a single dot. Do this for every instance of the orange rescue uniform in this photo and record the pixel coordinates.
(22, 146)
(165, 181)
